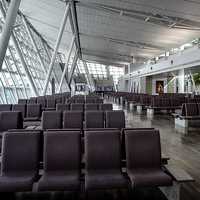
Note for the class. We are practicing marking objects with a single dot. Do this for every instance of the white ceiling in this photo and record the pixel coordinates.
(109, 31)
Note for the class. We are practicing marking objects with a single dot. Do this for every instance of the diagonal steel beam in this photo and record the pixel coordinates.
(19, 52)
(33, 42)
(10, 19)
(73, 67)
(60, 34)
(66, 64)
(89, 77)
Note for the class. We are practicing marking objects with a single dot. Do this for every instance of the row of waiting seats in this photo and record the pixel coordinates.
(167, 101)
(46, 101)
(51, 101)
(78, 119)
(189, 111)
(66, 120)
(63, 171)
(33, 112)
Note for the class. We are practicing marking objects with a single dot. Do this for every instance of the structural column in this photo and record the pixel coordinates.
(181, 81)
(66, 64)
(61, 30)
(73, 67)
(46, 49)
(8, 27)
(89, 77)
(15, 42)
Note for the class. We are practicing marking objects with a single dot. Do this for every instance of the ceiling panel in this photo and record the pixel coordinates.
(115, 31)
(46, 17)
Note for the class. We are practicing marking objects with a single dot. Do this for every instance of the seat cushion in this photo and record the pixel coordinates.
(149, 177)
(32, 119)
(105, 180)
(16, 183)
(59, 181)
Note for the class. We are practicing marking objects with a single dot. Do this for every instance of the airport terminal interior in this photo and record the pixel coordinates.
(100, 99)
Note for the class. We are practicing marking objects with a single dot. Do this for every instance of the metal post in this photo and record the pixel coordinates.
(49, 57)
(15, 43)
(8, 27)
(73, 67)
(74, 25)
(89, 77)
(66, 64)
(62, 27)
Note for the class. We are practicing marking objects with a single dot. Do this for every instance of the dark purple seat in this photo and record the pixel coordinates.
(90, 100)
(32, 100)
(33, 112)
(143, 154)
(5, 107)
(10, 120)
(20, 156)
(62, 156)
(42, 102)
(62, 107)
(73, 119)
(106, 107)
(99, 101)
(115, 119)
(191, 109)
(79, 100)
(91, 106)
(50, 104)
(103, 164)
(21, 108)
(51, 120)
(22, 101)
(94, 119)
(77, 106)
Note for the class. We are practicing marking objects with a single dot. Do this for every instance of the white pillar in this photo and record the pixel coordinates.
(8, 27)
(66, 64)
(61, 30)
(181, 81)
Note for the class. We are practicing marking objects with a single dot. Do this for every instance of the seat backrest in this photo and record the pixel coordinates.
(62, 107)
(42, 101)
(115, 119)
(143, 149)
(51, 120)
(79, 100)
(102, 150)
(5, 107)
(106, 106)
(20, 153)
(94, 119)
(73, 119)
(191, 109)
(62, 150)
(51, 103)
(10, 120)
(91, 106)
(21, 108)
(99, 101)
(33, 110)
(77, 106)
(22, 101)
(90, 100)
(32, 100)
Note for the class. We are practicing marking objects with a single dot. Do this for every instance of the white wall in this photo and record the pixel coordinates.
(185, 59)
